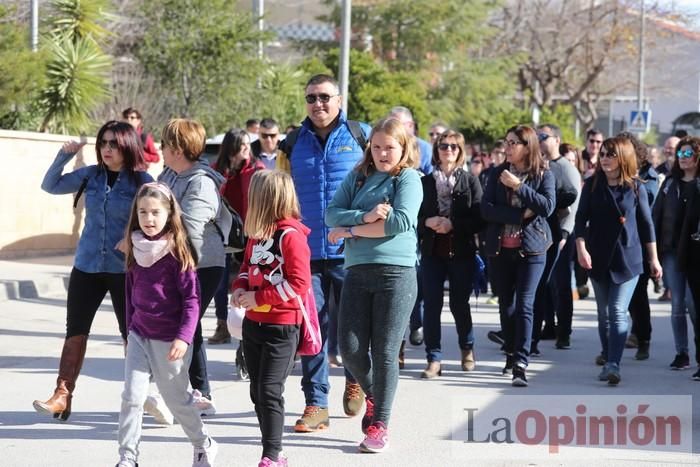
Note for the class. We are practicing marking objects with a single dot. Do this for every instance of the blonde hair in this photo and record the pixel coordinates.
(271, 198)
(395, 129)
(186, 135)
(181, 247)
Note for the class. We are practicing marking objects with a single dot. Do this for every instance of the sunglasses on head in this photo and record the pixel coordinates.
(687, 154)
(445, 146)
(323, 98)
(111, 143)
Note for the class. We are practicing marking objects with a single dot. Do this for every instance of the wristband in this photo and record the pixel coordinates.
(352, 235)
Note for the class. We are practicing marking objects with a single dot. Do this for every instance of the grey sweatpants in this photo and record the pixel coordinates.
(146, 357)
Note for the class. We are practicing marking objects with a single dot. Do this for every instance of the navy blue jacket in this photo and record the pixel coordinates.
(537, 194)
(627, 227)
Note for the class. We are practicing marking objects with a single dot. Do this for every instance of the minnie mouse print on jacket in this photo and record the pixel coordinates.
(277, 269)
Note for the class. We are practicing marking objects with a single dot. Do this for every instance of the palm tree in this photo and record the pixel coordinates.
(78, 69)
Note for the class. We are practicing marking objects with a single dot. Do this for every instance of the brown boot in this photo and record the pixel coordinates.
(221, 334)
(468, 360)
(433, 370)
(59, 405)
(402, 361)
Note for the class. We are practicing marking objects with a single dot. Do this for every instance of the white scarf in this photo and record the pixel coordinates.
(147, 252)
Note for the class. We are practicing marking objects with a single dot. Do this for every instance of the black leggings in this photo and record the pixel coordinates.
(86, 290)
(209, 280)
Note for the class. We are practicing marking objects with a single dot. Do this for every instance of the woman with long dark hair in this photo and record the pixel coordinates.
(109, 188)
(615, 207)
(669, 213)
(519, 197)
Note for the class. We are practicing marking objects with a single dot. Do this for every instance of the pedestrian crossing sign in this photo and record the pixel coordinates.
(639, 120)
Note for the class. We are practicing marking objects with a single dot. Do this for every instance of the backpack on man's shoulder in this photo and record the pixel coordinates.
(286, 146)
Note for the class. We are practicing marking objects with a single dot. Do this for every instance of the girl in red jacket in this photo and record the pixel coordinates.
(274, 278)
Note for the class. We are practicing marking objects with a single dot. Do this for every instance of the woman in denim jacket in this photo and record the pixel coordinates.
(519, 197)
(615, 207)
(109, 187)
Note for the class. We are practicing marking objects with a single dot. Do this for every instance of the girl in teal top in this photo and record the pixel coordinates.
(375, 213)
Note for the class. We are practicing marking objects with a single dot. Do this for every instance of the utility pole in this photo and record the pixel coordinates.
(258, 11)
(34, 40)
(344, 71)
(640, 90)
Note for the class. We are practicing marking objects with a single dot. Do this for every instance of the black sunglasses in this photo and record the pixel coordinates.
(323, 98)
(112, 143)
(445, 146)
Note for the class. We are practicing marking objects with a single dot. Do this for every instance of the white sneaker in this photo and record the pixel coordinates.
(204, 405)
(204, 457)
(155, 407)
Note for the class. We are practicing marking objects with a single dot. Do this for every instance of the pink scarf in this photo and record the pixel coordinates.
(147, 252)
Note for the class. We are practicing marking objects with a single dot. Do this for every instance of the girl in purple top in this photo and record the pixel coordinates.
(162, 312)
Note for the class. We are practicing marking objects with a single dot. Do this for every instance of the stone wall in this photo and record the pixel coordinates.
(33, 222)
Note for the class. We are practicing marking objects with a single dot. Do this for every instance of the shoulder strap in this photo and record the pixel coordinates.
(288, 143)
(80, 192)
(357, 133)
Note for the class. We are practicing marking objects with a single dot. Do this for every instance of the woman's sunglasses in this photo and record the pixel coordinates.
(687, 154)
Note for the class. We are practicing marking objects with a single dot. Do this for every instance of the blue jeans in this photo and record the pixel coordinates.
(460, 272)
(375, 308)
(613, 300)
(326, 276)
(681, 301)
(209, 280)
(515, 279)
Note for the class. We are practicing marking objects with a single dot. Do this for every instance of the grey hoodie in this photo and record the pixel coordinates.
(197, 190)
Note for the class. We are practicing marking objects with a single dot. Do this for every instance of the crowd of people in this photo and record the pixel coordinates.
(367, 226)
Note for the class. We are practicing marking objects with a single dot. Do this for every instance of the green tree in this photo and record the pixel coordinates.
(21, 74)
(282, 92)
(435, 57)
(203, 54)
(78, 69)
(374, 90)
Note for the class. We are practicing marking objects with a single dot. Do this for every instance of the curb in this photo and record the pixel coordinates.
(32, 289)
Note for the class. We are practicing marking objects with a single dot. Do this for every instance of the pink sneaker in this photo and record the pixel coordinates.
(280, 462)
(377, 439)
(369, 414)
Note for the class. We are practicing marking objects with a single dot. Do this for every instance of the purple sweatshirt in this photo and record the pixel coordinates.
(162, 302)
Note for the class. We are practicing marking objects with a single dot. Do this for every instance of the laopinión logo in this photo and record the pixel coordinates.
(575, 427)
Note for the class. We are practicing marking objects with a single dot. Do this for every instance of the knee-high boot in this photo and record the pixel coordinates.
(59, 405)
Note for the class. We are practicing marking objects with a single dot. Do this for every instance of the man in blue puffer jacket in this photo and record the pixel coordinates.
(324, 151)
